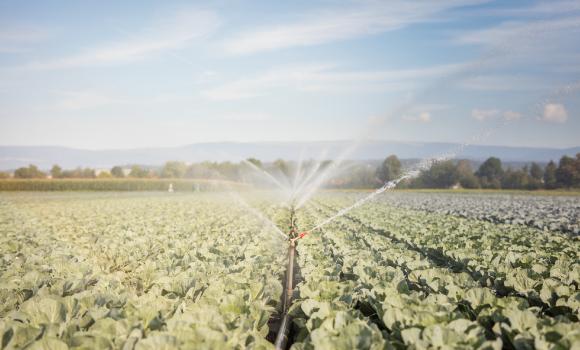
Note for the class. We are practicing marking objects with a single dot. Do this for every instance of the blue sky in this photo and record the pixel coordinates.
(114, 74)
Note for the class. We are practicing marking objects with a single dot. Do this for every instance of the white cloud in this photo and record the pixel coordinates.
(485, 114)
(423, 117)
(172, 34)
(544, 43)
(511, 34)
(555, 113)
(324, 78)
(511, 115)
(367, 18)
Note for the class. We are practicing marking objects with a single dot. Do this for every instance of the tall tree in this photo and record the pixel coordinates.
(550, 180)
(390, 169)
(536, 171)
(465, 174)
(576, 178)
(490, 173)
(174, 170)
(566, 171)
(117, 171)
(56, 172)
(535, 177)
(88, 173)
(137, 171)
(440, 175)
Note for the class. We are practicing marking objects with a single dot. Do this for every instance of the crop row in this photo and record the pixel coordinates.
(142, 272)
(552, 213)
(370, 285)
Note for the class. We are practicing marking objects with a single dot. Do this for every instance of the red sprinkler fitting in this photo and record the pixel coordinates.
(300, 235)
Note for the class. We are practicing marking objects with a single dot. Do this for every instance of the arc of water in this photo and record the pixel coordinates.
(266, 175)
(319, 179)
(423, 165)
(265, 220)
(311, 172)
(297, 172)
(258, 214)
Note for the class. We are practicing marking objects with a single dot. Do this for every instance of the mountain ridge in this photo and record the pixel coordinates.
(12, 157)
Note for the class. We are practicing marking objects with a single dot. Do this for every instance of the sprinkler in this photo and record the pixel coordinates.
(300, 235)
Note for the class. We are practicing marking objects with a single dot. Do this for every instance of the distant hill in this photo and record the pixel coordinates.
(12, 157)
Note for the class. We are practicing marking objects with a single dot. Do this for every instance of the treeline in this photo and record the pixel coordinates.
(491, 174)
(56, 172)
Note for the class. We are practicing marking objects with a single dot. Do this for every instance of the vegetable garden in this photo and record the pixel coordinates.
(165, 271)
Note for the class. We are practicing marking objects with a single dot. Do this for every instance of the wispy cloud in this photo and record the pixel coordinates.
(170, 34)
(330, 25)
(511, 115)
(519, 33)
(324, 78)
(555, 113)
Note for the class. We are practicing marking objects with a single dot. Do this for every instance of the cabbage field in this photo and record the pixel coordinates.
(206, 271)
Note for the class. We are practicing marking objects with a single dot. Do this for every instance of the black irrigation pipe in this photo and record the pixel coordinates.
(283, 335)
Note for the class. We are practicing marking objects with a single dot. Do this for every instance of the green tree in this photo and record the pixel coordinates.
(30, 172)
(536, 171)
(576, 179)
(4, 175)
(139, 172)
(390, 169)
(566, 171)
(174, 170)
(117, 171)
(550, 180)
(465, 175)
(515, 179)
(535, 177)
(490, 173)
(74, 173)
(440, 175)
(88, 173)
(56, 172)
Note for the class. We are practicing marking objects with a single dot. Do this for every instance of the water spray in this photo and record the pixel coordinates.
(425, 164)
